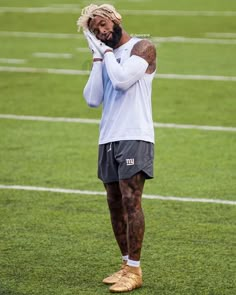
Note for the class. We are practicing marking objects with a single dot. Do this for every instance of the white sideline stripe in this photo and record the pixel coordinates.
(64, 5)
(195, 77)
(53, 55)
(178, 12)
(221, 35)
(180, 39)
(49, 119)
(41, 35)
(96, 121)
(85, 192)
(122, 11)
(171, 39)
(81, 72)
(44, 70)
(45, 9)
(198, 127)
(12, 60)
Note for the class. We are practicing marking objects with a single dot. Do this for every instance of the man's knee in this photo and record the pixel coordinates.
(132, 186)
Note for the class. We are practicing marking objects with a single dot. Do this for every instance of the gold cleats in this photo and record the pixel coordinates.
(131, 279)
(115, 277)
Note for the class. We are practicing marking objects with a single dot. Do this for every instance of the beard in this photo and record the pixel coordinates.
(116, 36)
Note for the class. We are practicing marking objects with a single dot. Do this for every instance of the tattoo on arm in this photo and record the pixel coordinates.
(147, 51)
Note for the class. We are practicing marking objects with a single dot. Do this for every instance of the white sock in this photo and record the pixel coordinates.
(133, 263)
(125, 258)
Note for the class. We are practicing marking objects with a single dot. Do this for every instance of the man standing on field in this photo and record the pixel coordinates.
(121, 80)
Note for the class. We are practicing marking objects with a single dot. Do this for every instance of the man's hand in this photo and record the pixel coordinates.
(101, 47)
(94, 50)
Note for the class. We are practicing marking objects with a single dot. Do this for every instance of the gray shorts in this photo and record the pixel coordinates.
(123, 159)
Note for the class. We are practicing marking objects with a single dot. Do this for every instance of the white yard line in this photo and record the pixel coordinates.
(178, 12)
(196, 77)
(52, 55)
(85, 192)
(65, 5)
(96, 121)
(49, 119)
(46, 9)
(198, 127)
(171, 39)
(180, 39)
(12, 60)
(81, 72)
(221, 35)
(40, 35)
(77, 10)
(44, 70)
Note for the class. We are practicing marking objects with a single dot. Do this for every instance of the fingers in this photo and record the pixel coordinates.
(87, 35)
(93, 44)
(92, 38)
(97, 44)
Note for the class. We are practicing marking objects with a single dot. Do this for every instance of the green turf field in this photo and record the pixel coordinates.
(61, 243)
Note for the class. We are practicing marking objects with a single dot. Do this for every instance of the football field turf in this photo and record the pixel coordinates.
(55, 232)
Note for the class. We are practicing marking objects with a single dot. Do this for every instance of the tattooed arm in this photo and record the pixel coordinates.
(147, 51)
(141, 61)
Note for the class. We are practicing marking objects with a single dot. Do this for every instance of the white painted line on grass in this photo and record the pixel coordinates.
(53, 55)
(196, 77)
(49, 119)
(47, 189)
(81, 72)
(198, 127)
(12, 60)
(77, 10)
(178, 12)
(44, 70)
(85, 192)
(189, 199)
(65, 5)
(45, 9)
(97, 121)
(40, 35)
(180, 39)
(221, 35)
(171, 39)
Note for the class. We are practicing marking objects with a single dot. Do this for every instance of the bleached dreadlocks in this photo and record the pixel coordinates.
(104, 10)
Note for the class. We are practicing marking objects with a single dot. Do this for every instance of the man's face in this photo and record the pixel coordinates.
(106, 31)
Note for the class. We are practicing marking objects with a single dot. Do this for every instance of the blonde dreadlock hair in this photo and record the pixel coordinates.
(104, 10)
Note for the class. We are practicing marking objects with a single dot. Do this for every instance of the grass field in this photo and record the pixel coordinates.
(60, 242)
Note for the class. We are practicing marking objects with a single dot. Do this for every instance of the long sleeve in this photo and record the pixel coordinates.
(124, 76)
(93, 90)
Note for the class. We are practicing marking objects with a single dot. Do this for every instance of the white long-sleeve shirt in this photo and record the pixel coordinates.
(120, 83)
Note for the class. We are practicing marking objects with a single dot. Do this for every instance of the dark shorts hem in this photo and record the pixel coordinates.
(123, 159)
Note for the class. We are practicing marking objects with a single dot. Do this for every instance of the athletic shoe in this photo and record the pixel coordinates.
(112, 279)
(130, 280)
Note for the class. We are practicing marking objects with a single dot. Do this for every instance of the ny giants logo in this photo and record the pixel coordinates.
(129, 162)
